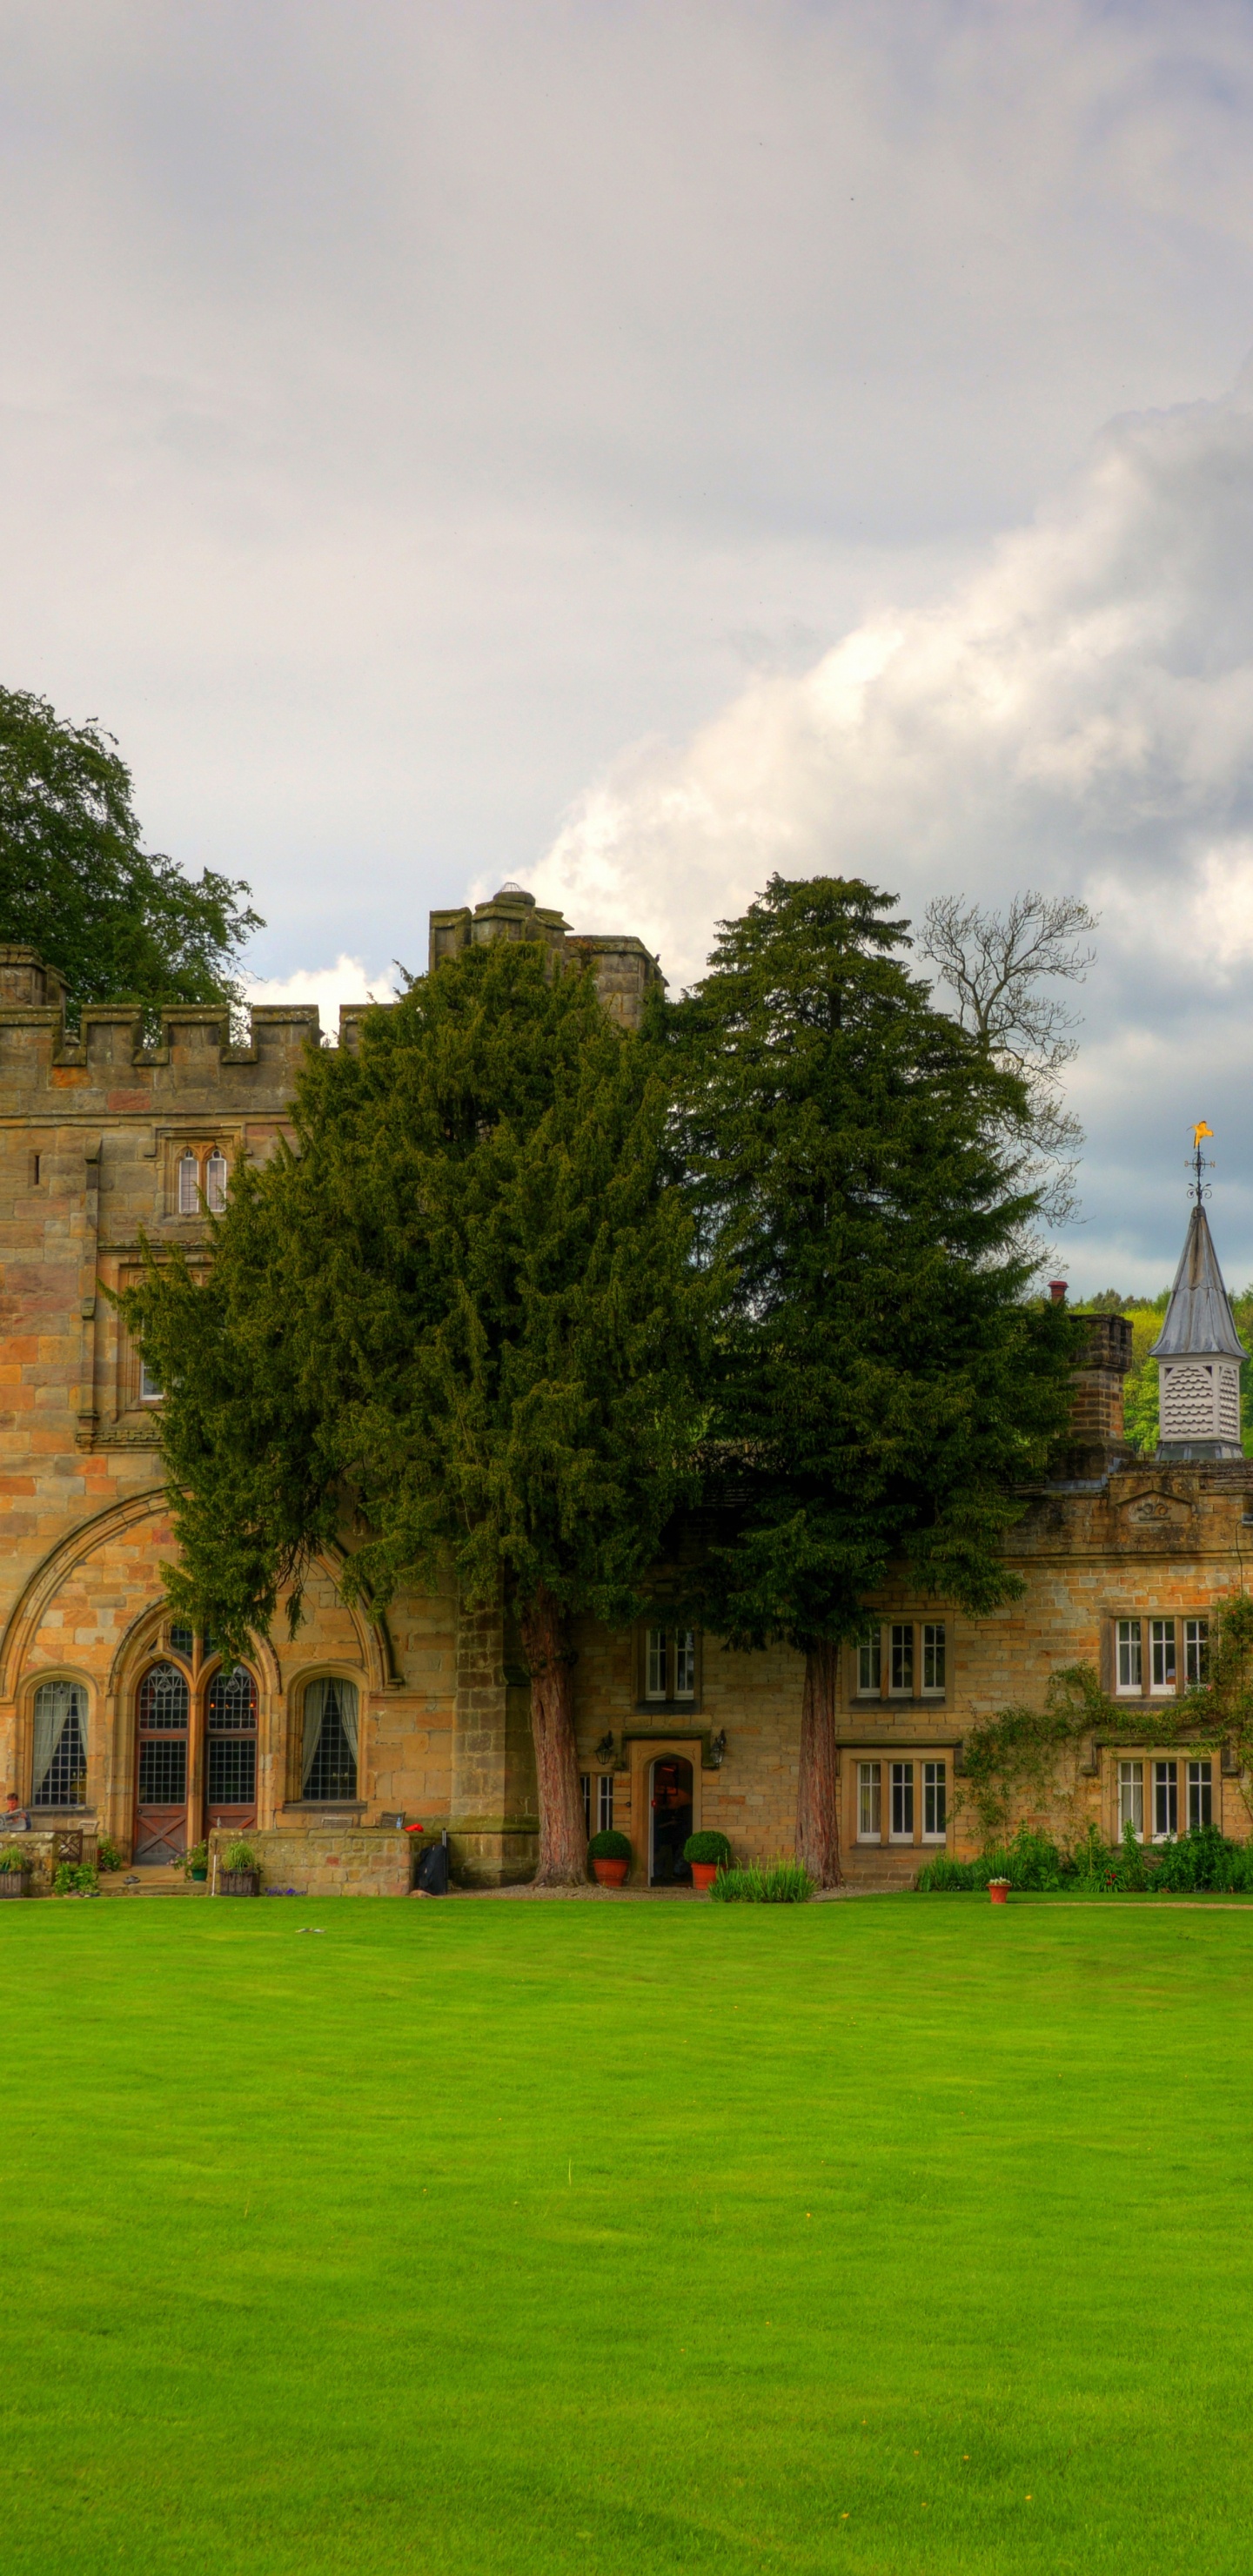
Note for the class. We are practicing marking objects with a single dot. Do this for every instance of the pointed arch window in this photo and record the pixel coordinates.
(232, 1738)
(215, 1182)
(188, 1184)
(59, 1768)
(329, 1748)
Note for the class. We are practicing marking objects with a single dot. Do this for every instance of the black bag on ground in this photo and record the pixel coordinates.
(432, 1872)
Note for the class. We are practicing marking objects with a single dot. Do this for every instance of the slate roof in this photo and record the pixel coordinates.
(1199, 1317)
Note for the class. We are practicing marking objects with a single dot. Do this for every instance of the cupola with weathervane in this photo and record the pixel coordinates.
(1198, 1350)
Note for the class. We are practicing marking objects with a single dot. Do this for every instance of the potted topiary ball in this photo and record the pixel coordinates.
(14, 1872)
(241, 1871)
(708, 1853)
(610, 1856)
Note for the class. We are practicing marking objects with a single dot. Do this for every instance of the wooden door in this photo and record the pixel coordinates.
(671, 1821)
(161, 1766)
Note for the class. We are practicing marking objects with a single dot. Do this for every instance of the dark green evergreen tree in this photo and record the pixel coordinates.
(458, 1324)
(117, 923)
(884, 1381)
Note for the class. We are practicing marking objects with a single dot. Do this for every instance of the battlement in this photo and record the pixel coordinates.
(625, 970)
(111, 1068)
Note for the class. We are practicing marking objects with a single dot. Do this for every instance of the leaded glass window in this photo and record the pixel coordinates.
(60, 1763)
(330, 1740)
(163, 1699)
(233, 1698)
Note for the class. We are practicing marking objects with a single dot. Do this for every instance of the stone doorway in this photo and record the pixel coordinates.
(670, 1820)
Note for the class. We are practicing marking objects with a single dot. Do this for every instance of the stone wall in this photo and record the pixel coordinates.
(328, 1860)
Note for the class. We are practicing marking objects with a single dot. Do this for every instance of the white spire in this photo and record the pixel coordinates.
(1198, 1350)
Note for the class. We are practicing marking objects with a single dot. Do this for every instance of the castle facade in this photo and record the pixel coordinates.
(324, 1749)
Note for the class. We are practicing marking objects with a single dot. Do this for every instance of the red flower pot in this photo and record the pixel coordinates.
(998, 1890)
(610, 1873)
(704, 1872)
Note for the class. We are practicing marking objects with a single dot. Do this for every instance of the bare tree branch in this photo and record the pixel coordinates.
(1000, 967)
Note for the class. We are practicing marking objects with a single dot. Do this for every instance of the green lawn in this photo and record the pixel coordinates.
(887, 2236)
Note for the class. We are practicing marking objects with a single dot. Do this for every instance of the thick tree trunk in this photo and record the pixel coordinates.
(562, 1832)
(817, 1813)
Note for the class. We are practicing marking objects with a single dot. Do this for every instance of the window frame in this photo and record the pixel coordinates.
(870, 1800)
(901, 1787)
(1129, 1788)
(1165, 1798)
(69, 1681)
(354, 1681)
(891, 1661)
(934, 1795)
(668, 1654)
(1169, 1641)
(1199, 1791)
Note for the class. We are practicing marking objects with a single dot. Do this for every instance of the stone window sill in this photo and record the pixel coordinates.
(325, 1806)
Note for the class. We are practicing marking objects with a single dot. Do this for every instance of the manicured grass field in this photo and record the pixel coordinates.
(887, 2236)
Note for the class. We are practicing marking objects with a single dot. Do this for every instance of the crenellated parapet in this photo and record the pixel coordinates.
(109, 1069)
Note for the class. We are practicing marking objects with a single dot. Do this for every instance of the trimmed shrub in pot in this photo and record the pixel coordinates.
(241, 1871)
(708, 1852)
(15, 1869)
(610, 1856)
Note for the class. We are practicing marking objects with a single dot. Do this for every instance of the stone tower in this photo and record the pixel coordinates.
(1199, 1352)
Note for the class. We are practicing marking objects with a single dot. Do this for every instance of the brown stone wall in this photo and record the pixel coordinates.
(331, 1861)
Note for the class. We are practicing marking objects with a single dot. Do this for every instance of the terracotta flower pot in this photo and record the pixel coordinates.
(704, 1872)
(610, 1873)
(998, 1890)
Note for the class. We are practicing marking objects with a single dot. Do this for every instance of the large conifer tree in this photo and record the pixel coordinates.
(459, 1323)
(884, 1379)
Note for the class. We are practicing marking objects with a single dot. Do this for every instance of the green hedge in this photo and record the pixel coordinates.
(1200, 1861)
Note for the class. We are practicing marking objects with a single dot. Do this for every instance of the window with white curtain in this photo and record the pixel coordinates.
(215, 1183)
(1131, 1798)
(329, 1749)
(59, 1767)
(188, 1185)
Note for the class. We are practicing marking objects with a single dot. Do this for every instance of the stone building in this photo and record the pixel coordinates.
(323, 1749)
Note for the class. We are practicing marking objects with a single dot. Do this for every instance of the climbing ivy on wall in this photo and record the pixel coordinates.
(1020, 1751)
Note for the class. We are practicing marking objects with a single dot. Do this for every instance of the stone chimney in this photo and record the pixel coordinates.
(1096, 1421)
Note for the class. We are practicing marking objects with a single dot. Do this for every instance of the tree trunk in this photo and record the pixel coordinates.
(817, 1814)
(562, 1832)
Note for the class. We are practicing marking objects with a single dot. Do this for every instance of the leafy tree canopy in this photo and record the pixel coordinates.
(118, 924)
(460, 1323)
(886, 1380)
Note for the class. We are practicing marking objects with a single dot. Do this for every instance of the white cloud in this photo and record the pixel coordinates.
(329, 986)
(1076, 713)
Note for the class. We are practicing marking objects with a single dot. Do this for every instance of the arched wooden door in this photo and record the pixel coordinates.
(161, 1767)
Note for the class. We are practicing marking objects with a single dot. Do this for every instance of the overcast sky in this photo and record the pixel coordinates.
(631, 448)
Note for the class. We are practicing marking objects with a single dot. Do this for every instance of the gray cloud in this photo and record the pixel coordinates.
(402, 411)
